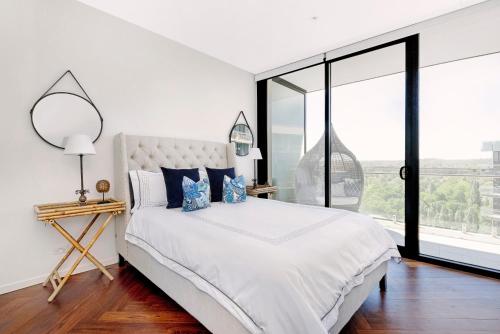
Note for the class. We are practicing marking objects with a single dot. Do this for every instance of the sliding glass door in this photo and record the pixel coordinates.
(460, 161)
(368, 136)
(357, 133)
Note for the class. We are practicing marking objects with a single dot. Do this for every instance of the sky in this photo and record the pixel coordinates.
(459, 110)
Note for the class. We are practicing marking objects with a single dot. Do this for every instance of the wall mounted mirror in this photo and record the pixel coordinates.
(242, 136)
(58, 115)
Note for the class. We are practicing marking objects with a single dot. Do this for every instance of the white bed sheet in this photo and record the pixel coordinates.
(277, 267)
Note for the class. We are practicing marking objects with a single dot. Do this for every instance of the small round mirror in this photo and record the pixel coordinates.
(242, 136)
(57, 116)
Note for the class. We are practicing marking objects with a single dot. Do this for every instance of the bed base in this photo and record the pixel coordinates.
(383, 283)
(121, 260)
(216, 318)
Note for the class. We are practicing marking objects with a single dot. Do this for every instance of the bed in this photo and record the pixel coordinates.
(261, 266)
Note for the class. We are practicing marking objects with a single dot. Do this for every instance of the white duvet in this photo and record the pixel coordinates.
(277, 267)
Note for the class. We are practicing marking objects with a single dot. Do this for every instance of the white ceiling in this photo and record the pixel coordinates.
(260, 35)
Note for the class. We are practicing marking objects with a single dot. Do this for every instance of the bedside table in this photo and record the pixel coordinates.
(50, 213)
(261, 189)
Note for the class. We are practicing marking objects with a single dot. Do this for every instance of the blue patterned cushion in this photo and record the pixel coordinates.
(234, 190)
(196, 194)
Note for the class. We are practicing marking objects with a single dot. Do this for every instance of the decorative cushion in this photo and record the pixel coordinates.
(173, 183)
(148, 189)
(204, 175)
(338, 189)
(196, 194)
(216, 178)
(234, 190)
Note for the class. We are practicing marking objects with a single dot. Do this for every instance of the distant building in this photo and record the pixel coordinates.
(494, 147)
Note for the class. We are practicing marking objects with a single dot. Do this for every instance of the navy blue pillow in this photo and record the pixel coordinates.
(173, 182)
(216, 179)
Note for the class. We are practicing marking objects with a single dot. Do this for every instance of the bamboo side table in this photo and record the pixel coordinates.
(50, 213)
(261, 189)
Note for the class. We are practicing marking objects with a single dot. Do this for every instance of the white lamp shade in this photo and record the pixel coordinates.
(79, 145)
(254, 153)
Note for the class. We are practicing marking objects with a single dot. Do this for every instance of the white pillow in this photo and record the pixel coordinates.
(134, 182)
(203, 174)
(148, 189)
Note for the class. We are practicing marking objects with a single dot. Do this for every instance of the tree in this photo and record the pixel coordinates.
(437, 214)
(443, 214)
(459, 216)
(475, 194)
(472, 219)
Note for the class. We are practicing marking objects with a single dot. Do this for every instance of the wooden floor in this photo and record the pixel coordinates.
(421, 298)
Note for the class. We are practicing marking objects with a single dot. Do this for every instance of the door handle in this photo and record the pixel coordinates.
(403, 172)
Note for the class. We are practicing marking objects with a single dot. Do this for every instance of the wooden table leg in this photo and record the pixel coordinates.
(82, 255)
(80, 248)
(68, 253)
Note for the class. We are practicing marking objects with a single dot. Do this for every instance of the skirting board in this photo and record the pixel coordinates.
(40, 278)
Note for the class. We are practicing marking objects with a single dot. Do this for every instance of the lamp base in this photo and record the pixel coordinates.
(82, 200)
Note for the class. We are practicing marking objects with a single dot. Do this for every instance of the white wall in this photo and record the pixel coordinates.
(142, 84)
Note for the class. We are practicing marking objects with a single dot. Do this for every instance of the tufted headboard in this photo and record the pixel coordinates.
(151, 153)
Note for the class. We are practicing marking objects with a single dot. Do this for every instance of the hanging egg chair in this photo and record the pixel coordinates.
(347, 180)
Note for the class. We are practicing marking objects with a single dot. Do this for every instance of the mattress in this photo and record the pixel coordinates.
(276, 267)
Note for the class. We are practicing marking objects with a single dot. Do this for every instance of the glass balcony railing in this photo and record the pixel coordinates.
(466, 200)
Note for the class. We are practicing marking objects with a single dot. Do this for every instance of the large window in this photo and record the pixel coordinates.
(296, 144)
(406, 132)
(460, 161)
(366, 136)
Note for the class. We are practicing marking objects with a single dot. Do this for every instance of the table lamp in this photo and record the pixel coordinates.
(254, 154)
(80, 145)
